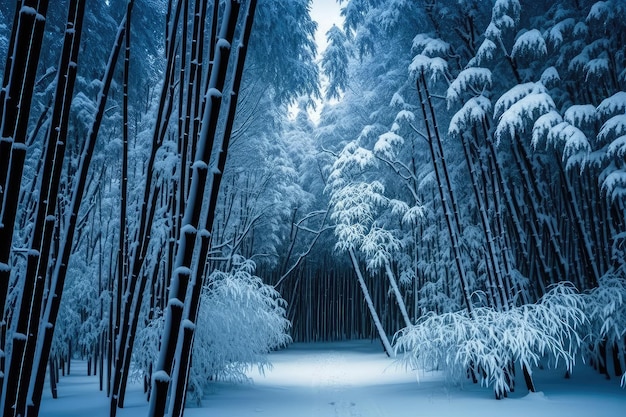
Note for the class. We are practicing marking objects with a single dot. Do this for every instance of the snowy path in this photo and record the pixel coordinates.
(355, 379)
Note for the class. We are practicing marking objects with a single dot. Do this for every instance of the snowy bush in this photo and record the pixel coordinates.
(241, 319)
(605, 306)
(489, 342)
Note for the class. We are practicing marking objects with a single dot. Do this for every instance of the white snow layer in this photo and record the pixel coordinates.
(531, 44)
(356, 379)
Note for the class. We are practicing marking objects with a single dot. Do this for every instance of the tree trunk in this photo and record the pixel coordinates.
(44, 223)
(131, 311)
(60, 268)
(183, 271)
(26, 36)
(492, 260)
(444, 186)
(396, 290)
(370, 305)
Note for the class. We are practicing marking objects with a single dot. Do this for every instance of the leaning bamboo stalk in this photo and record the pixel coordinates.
(136, 261)
(191, 220)
(42, 236)
(19, 81)
(444, 186)
(60, 268)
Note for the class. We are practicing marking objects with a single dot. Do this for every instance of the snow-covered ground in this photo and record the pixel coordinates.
(356, 379)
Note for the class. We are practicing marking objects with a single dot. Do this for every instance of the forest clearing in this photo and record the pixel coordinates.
(355, 378)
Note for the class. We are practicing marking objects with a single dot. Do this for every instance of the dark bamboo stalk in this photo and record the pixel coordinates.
(65, 250)
(27, 36)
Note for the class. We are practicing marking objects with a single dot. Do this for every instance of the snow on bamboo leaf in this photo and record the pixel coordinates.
(474, 112)
(388, 144)
(520, 106)
(434, 67)
(606, 308)
(571, 138)
(379, 245)
(614, 104)
(615, 184)
(431, 47)
(581, 115)
(335, 62)
(543, 124)
(354, 207)
(474, 79)
(351, 161)
(454, 342)
(617, 148)
(601, 10)
(514, 94)
(549, 77)
(530, 44)
(555, 34)
(615, 126)
(511, 8)
(597, 68)
(591, 51)
(484, 54)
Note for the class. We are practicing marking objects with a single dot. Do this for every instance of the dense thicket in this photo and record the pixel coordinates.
(483, 160)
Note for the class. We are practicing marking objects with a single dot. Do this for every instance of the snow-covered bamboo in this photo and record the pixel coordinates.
(370, 305)
(444, 186)
(190, 232)
(17, 93)
(44, 223)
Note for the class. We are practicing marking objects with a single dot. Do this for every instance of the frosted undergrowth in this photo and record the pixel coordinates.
(551, 332)
(491, 340)
(241, 320)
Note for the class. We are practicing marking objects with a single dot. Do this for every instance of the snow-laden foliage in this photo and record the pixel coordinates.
(283, 48)
(429, 46)
(549, 77)
(473, 79)
(505, 15)
(489, 342)
(485, 53)
(519, 107)
(388, 144)
(474, 112)
(513, 95)
(530, 44)
(597, 68)
(614, 184)
(615, 126)
(543, 125)
(613, 104)
(354, 210)
(241, 320)
(556, 32)
(335, 62)
(605, 305)
(352, 159)
(379, 247)
(571, 139)
(617, 148)
(434, 68)
(582, 63)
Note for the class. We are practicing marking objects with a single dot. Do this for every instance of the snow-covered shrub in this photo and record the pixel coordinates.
(489, 342)
(241, 319)
(606, 308)
(147, 346)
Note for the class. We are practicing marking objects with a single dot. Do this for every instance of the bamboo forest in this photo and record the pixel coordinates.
(192, 190)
